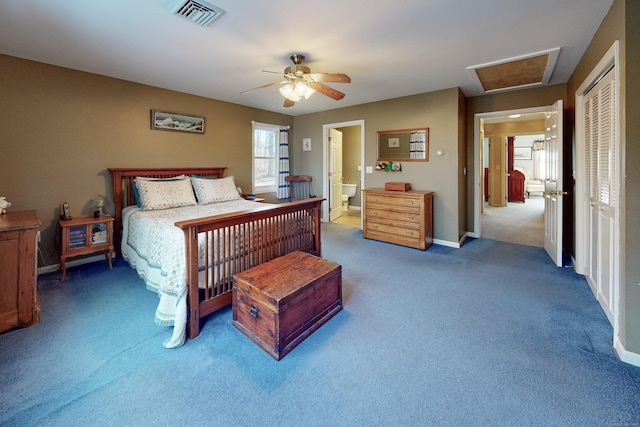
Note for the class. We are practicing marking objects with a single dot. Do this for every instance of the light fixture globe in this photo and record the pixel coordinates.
(288, 92)
(300, 88)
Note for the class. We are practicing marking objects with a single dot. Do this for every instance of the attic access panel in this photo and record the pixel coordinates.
(518, 72)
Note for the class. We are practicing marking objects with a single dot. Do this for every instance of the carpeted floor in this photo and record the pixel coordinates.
(492, 334)
(521, 223)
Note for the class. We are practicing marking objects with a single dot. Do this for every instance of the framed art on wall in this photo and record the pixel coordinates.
(175, 122)
(522, 153)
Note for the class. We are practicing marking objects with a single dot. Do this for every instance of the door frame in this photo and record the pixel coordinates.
(478, 178)
(325, 161)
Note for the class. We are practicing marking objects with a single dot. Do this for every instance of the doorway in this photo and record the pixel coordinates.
(515, 222)
(513, 184)
(351, 171)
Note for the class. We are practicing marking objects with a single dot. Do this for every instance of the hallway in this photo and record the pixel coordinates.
(521, 223)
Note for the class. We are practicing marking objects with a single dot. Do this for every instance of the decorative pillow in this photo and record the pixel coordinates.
(215, 190)
(165, 194)
(134, 186)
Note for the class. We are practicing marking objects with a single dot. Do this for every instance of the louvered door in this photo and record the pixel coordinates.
(600, 164)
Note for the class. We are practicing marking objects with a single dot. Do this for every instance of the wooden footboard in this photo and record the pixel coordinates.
(232, 243)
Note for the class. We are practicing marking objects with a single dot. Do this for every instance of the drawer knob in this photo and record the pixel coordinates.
(410, 202)
(375, 227)
(374, 199)
(409, 217)
(374, 213)
(254, 311)
(409, 233)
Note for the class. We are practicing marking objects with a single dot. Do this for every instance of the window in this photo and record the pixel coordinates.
(265, 158)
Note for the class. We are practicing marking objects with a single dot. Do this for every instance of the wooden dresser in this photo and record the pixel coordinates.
(400, 217)
(19, 305)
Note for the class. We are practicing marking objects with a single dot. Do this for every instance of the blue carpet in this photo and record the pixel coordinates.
(489, 334)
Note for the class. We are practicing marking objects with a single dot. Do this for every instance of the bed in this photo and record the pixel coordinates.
(189, 253)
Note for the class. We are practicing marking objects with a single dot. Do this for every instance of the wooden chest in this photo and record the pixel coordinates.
(400, 217)
(281, 302)
(397, 186)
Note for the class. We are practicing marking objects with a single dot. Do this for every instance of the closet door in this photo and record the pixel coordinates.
(600, 172)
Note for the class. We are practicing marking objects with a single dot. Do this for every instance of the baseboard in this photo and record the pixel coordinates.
(625, 355)
(446, 243)
(71, 263)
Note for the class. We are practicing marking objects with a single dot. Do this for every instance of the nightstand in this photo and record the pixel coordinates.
(255, 199)
(84, 236)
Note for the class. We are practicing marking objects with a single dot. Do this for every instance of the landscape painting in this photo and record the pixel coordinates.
(176, 122)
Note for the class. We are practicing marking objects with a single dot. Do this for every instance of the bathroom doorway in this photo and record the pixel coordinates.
(352, 156)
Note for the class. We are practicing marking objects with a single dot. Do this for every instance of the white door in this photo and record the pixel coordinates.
(335, 174)
(553, 191)
(600, 195)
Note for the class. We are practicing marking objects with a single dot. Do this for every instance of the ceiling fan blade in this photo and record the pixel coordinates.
(288, 103)
(330, 77)
(326, 90)
(267, 85)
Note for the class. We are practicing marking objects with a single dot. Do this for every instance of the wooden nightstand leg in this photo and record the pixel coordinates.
(63, 265)
(109, 254)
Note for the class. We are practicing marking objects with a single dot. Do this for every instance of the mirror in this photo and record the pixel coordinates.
(408, 145)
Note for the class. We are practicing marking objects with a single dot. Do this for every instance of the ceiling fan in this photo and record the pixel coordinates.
(299, 82)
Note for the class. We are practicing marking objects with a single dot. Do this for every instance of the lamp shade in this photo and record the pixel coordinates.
(288, 92)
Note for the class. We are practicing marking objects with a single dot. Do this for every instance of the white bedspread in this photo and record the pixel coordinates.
(155, 247)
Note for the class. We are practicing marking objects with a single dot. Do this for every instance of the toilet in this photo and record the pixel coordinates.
(348, 190)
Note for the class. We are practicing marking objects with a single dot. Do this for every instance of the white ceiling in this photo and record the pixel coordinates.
(388, 48)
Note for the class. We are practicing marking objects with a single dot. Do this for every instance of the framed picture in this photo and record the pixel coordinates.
(161, 120)
(394, 142)
(522, 153)
(306, 144)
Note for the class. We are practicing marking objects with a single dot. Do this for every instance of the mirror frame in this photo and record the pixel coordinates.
(404, 136)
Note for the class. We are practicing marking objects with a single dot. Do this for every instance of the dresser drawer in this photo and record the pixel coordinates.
(400, 200)
(410, 215)
(403, 230)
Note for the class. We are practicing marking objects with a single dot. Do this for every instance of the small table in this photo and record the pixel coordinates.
(84, 236)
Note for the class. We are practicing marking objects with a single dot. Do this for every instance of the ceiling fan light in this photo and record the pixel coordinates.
(288, 92)
(310, 91)
(300, 88)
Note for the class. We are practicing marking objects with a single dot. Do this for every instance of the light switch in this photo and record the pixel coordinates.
(369, 169)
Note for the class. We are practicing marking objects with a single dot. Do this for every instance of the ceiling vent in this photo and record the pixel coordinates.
(200, 12)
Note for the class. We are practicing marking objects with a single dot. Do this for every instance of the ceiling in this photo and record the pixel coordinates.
(389, 49)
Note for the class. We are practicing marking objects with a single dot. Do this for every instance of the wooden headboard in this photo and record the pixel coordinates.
(123, 193)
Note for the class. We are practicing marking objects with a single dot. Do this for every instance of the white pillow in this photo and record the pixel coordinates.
(165, 194)
(215, 190)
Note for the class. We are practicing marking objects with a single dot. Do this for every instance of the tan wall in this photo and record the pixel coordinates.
(437, 111)
(62, 129)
